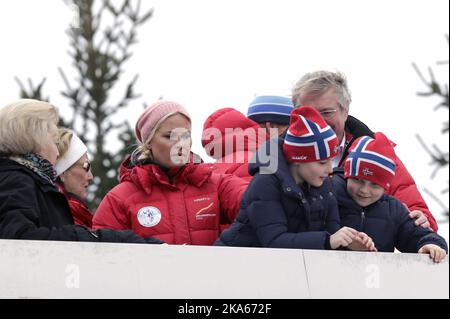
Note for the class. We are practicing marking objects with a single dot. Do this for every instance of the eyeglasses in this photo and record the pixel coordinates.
(86, 165)
(326, 114)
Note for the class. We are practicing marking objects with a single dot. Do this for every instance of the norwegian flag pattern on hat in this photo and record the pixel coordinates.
(309, 138)
(372, 160)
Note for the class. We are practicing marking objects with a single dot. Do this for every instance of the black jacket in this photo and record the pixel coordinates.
(277, 213)
(386, 221)
(356, 129)
(33, 209)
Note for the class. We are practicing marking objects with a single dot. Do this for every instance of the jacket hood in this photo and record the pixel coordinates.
(219, 142)
(128, 164)
(354, 129)
(125, 169)
(269, 159)
(145, 176)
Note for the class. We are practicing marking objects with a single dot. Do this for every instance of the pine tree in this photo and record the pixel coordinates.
(439, 158)
(99, 48)
(32, 92)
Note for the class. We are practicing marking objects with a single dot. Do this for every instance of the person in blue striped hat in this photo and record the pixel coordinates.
(271, 112)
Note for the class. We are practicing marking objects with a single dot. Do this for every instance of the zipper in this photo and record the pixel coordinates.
(363, 220)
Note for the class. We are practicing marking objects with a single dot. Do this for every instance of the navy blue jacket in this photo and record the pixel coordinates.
(386, 221)
(277, 213)
(32, 208)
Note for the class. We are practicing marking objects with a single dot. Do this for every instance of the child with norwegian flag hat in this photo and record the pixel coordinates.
(368, 172)
(294, 206)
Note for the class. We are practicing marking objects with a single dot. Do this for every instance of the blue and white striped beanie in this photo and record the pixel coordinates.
(269, 108)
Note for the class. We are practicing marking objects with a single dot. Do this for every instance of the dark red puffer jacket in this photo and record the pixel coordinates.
(231, 138)
(187, 209)
(80, 212)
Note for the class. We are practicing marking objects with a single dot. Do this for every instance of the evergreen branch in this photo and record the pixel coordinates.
(439, 159)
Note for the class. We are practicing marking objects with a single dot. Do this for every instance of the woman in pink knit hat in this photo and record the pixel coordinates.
(163, 191)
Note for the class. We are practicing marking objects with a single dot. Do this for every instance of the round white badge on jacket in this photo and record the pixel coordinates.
(149, 216)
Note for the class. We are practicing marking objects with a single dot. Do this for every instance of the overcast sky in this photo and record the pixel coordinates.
(208, 54)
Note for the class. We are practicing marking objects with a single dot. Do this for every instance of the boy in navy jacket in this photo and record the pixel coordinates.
(293, 206)
(360, 189)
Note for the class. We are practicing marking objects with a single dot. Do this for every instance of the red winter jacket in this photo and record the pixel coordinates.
(187, 210)
(80, 212)
(403, 186)
(232, 148)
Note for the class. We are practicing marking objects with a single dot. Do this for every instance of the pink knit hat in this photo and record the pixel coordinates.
(154, 115)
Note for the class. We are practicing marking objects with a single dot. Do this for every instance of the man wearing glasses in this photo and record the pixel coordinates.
(328, 93)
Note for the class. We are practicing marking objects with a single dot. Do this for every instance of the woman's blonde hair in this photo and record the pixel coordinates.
(143, 151)
(64, 137)
(24, 126)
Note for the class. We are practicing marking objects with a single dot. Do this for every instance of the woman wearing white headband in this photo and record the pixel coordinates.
(74, 175)
(31, 206)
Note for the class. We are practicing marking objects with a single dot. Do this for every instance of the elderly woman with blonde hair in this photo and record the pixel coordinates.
(73, 169)
(31, 206)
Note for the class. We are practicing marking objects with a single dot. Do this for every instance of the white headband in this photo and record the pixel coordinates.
(76, 150)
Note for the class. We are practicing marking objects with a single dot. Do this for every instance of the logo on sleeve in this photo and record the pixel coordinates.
(149, 216)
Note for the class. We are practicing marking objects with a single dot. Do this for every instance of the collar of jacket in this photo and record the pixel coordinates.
(290, 187)
(150, 175)
(354, 128)
(282, 173)
(69, 195)
(37, 164)
(7, 165)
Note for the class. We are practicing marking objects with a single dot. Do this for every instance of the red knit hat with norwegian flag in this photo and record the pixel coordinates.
(309, 138)
(372, 160)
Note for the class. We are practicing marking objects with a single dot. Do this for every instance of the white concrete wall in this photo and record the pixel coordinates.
(84, 270)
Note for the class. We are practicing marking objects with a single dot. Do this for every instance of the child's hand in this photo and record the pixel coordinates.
(363, 242)
(436, 253)
(343, 237)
